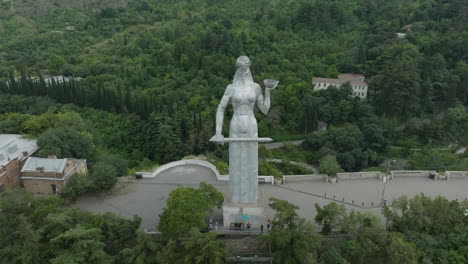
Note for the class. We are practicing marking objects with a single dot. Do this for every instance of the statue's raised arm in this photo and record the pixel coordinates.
(263, 101)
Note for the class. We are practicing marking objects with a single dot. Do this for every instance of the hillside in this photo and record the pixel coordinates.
(167, 63)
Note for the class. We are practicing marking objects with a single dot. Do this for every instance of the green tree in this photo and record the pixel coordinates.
(424, 214)
(103, 175)
(20, 242)
(145, 250)
(373, 241)
(200, 248)
(353, 222)
(329, 165)
(396, 83)
(77, 184)
(79, 245)
(292, 238)
(66, 143)
(401, 251)
(330, 216)
(169, 145)
(119, 164)
(43, 206)
(117, 232)
(352, 251)
(171, 253)
(332, 255)
(186, 208)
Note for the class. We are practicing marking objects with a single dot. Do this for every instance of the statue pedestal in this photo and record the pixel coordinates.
(252, 213)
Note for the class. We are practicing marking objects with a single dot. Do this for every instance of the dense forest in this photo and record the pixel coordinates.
(144, 68)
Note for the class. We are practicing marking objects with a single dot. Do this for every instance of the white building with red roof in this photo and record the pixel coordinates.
(357, 82)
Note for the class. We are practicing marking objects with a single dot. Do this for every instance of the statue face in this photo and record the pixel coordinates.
(243, 64)
(244, 71)
(243, 61)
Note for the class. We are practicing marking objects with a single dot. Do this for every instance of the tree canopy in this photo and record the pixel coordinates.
(186, 208)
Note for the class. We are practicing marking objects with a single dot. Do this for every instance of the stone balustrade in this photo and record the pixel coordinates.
(315, 177)
(360, 175)
(309, 177)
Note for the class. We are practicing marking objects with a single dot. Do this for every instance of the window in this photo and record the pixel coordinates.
(54, 188)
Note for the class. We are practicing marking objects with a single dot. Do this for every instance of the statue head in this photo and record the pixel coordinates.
(243, 61)
(243, 69)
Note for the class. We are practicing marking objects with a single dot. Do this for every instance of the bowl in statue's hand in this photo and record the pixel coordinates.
(270, 84)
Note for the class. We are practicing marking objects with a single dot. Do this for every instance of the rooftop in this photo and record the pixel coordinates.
(15, 146)
(45, 165)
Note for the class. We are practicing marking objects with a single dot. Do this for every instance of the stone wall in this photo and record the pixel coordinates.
(316, 177)
(42, 174)
(360, 175)
(10, 175)
(36, 186)
(410, 173)
(456, 174)
(310, 177)
(206, 164)
(181, 163)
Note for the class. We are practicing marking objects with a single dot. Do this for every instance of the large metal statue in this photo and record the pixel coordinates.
(243, 136)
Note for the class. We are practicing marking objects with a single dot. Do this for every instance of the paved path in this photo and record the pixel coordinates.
(147, 197)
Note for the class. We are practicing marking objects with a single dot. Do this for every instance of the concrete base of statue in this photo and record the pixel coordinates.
(252, 213)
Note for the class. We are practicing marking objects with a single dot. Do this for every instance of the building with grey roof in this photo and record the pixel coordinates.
(43, 176)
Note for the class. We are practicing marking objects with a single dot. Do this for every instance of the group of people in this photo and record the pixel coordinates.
(268, 225)
(240, 226)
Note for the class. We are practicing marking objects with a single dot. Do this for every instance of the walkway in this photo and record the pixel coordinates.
(147, 197)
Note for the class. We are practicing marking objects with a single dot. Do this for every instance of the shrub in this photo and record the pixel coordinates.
(103, 175)
(76, 185)
(120, 165)
(268, 169)
(222, 167)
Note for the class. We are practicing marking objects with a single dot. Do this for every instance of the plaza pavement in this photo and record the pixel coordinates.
(146, 197)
